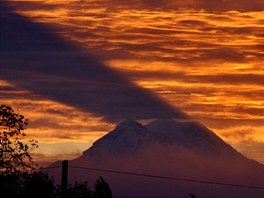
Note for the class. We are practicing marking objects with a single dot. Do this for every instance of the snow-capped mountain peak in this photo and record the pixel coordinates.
(189, 134)
(130, 126)
(128, 137)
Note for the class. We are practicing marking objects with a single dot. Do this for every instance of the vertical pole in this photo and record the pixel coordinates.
(64, 178)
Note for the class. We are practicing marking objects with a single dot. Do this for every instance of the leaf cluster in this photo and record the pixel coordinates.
(14, 152)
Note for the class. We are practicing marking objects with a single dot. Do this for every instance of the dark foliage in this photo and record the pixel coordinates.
(192, 195)
(40, 185)
(79, 190)
(102, 189)
(37, 183)
(10, 185)
(14, 153)
(20, 185)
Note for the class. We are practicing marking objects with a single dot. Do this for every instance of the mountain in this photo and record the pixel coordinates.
(127, 138)
(169, 148)
(131, 137)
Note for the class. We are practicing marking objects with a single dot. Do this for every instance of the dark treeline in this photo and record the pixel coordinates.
(39, 184)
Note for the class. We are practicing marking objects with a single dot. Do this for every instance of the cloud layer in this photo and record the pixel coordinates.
(46, 64)
(204, 57)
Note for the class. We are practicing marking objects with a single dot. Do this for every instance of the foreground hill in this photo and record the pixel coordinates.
(180, 152)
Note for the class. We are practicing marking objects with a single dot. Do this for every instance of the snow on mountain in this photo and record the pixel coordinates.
(189, 134)
(131, 137)
(126, 138)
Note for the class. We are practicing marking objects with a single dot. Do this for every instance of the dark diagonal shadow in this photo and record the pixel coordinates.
(34, 58)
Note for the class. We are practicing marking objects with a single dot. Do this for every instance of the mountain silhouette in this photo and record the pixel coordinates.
(169, 148)
(131, 136)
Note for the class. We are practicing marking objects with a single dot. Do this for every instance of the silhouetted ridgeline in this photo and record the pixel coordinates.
(167, 158)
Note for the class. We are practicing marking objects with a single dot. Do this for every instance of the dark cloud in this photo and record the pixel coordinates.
(231, 79)
(47, 123)
(197, 52)
(100, 34)
(153, 31)
(227, 123)
(35, 59)
(227, 5)
(234, 79)
(243, 79)
(240, 30)
(191, 23)
(250, 111)
(177, 44)
(208, 5)
(32, 5)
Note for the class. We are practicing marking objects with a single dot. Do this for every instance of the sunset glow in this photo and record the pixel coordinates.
(205, 59)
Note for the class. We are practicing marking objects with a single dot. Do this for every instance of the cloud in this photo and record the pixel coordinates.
(239, 134)
(250, 111)
(193, 39)
(254, 79)
(252, 149)
(32, 5)
(226, 5)
(46, 64)
(208, 5)
(204, 57)
(48, 153)
(110, 5)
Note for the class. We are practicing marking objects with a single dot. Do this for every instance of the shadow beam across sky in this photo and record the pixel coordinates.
(37, 59)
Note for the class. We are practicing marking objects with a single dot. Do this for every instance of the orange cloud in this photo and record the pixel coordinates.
(205, 57)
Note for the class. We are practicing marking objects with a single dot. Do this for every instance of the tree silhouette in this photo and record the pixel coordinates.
(102, 189)
(9, 185)
(27, 185)
(79, 190)
(37, 184)
(82, 190)
(14, 154)
(192, 195)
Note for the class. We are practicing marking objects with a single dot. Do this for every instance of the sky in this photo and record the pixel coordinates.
(77, 68)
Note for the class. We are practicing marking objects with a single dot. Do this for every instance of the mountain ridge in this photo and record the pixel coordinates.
(169, 148)
(186, 134)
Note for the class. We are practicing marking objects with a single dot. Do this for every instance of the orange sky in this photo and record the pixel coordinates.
(204, 58)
